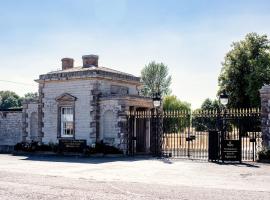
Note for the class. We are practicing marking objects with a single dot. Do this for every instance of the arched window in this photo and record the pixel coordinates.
(33, 126)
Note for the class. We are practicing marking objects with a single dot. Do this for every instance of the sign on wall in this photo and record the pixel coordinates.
(72, 145)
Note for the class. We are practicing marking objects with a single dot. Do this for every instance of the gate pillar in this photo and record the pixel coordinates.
(265, 115)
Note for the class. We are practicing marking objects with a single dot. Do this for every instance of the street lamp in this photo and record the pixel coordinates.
(223, 98)
(157, 123)
(156, 99)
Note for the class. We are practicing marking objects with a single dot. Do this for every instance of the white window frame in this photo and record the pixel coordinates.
(67, 117)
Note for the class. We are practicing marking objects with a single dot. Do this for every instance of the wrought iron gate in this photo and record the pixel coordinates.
(201, 134)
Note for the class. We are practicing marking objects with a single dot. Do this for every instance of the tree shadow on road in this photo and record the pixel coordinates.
(86, 160)
(242, 164)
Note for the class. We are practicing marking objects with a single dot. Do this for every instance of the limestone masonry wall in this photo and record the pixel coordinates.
(81, 89)
(10, 129)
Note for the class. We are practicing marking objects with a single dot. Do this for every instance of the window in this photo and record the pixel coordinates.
(67, 122)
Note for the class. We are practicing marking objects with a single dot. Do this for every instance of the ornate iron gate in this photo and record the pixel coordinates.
(202, 134)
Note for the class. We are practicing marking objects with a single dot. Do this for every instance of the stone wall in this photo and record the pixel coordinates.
(265, 115)
(10, 129)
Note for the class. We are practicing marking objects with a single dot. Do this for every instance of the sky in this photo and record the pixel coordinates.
(190, 36)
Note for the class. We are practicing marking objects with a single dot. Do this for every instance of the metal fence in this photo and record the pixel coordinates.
(185, 134)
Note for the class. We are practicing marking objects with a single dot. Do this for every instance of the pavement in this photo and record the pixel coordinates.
(65, 177)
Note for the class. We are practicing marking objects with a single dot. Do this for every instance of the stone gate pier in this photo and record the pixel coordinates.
(265, 115)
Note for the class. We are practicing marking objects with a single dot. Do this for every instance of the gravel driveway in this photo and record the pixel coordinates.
(54, 177)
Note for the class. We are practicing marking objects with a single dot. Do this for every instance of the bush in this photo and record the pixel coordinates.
(35, 146)
(264, 154)
(26, 146)
(106, 149)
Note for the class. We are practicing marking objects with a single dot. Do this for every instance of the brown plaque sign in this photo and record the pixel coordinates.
(72, 145)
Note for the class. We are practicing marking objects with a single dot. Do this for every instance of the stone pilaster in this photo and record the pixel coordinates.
(95, 113)
(123, 128)
(24, 122)
(40, 111)
(265, 115)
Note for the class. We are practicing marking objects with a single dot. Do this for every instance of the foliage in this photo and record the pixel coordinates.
(35, 146)
(106, 149)
(205, 123)
(52, 147)
(209, 104)
(264, 154)
(176, 123)
(30, 96)
(156, 79)
(9, 100)
(246, 68)
(173, 103)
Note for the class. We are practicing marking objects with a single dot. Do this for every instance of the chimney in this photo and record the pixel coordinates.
(90, 61)
(67, 63)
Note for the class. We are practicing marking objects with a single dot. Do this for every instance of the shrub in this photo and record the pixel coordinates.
(264, 154)
(106, 149)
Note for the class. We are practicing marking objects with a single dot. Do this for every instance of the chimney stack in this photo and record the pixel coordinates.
(90, 61)
(67, 63)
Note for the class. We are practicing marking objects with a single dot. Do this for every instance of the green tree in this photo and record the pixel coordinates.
(9, 100)
(156, 79)
(246, 68)
(209, 104)
(30, 95)
(175, 123)
(173, 103)
(205, 122)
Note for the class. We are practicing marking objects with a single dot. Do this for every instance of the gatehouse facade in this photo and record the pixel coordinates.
(89, 103)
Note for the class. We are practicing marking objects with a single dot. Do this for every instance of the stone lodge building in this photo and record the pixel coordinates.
(82, 103)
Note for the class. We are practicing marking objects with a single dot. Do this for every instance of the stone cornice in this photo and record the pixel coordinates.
(137, 83)
(89, 74)
(132, 97)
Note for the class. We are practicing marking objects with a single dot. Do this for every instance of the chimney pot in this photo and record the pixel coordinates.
(67, 63)
(90, 60)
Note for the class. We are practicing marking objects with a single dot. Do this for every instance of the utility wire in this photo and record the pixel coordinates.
(19, 83)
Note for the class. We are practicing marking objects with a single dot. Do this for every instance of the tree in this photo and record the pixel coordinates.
(30, 95)
(209, 104)
(175, 123)
(204, 122)
(173, 103)
(9, 100)
(156, 79)
(246, 68)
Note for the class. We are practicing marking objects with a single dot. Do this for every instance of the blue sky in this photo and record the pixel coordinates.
(190, 36)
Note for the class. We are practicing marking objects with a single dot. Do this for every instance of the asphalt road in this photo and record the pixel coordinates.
(49, 177)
